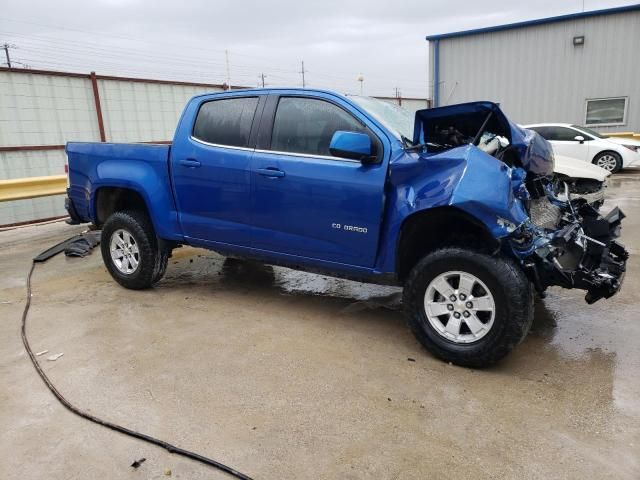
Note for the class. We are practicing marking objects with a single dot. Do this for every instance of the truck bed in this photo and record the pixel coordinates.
(114, 164)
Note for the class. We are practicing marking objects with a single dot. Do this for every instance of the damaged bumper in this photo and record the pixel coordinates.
(582, 252)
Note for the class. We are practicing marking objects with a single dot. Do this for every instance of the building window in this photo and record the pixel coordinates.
(606, 111)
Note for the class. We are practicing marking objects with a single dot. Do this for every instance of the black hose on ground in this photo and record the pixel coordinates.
(69, 406)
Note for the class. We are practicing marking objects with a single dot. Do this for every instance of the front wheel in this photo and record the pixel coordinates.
(468, 308)
(130, 250)
(610, 161)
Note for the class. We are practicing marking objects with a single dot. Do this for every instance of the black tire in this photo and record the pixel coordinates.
(152, 262)
(600, 156)
(161, 265)
(513, 298)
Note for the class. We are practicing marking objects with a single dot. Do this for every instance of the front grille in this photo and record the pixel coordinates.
(544, 214)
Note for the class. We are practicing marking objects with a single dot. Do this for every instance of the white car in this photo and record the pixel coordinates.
(583, 179)
(582, 143)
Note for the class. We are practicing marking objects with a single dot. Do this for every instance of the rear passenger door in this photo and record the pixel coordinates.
(307, 202)
(211, 170)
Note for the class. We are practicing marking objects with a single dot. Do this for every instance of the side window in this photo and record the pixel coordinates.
(306, 125)
(226, 122)
(542, 131)
(564, 134)
(557, 133)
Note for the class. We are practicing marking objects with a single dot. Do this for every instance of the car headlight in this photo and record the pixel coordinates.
(635, 148)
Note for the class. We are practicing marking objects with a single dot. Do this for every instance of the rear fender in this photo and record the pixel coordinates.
(152, 185)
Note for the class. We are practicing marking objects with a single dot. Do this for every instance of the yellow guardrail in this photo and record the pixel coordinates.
(32, 187)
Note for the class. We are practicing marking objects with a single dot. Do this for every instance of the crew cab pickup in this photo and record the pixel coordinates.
(456, 204)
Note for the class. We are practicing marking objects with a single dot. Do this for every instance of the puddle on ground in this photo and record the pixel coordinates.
(200, 269)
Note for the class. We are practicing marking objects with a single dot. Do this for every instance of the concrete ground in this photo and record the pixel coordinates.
(287, 375)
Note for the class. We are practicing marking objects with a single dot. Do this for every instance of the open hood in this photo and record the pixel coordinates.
(442, 128)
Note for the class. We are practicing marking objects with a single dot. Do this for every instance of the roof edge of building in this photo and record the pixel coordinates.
(539, 21)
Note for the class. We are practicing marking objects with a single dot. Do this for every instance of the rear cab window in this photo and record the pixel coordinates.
(306, 126)
(225, 122)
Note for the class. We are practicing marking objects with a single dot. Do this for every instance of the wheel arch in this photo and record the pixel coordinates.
(606, 150)
(110, 199)
(427, 230)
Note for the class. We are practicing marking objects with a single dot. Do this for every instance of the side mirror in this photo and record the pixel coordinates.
(352, 145)
(579, 138)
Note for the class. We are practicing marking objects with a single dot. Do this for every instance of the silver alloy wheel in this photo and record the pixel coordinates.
(607, 161)
(459, 306)
(124, 251)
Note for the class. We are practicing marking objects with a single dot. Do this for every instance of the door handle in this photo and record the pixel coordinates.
(190, 163)
(270, 172)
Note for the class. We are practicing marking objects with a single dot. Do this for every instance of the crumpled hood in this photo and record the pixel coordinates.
(534, 152)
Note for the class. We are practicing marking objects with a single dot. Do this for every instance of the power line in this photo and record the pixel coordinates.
(60, 46)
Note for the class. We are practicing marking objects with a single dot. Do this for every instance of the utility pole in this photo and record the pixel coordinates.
(6, 48)
(262, 77)
(398, 96)
(226, 56)
(303, 72)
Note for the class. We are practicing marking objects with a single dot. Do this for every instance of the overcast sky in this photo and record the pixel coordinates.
(186, 40)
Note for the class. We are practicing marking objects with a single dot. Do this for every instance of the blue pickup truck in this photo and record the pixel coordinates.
(456, 204)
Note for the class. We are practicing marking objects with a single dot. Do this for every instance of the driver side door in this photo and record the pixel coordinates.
(306, 201)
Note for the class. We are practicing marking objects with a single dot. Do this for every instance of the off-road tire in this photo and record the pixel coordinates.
(152, 260)
(512, 293)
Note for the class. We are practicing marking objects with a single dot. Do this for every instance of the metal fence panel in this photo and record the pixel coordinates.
(45, 110)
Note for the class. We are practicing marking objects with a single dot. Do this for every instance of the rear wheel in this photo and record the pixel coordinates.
(130, 250)
(610, 161)
(468, 308)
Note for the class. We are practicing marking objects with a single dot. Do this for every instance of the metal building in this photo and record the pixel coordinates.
(582, 68)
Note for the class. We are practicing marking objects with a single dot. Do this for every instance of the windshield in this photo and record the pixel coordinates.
(589, 131)
(395, 118)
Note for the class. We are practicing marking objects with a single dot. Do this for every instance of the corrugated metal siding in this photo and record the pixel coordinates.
(31, 164)
(537, 74)
(143, 112)
(45, 110)
(20, 211)
(41, 110)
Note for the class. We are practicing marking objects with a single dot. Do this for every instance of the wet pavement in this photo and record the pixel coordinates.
(291, 375)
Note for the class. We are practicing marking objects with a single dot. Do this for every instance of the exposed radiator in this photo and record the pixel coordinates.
(544, 214)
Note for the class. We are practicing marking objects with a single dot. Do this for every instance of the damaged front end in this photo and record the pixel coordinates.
(558, 240)
(569, 244)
